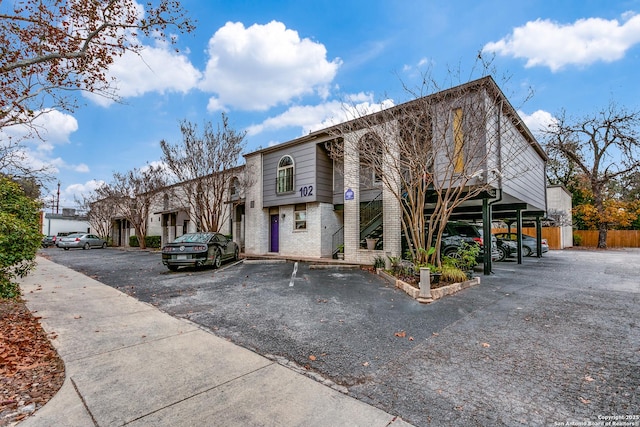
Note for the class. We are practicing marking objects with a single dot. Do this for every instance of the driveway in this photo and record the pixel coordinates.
(553, 340)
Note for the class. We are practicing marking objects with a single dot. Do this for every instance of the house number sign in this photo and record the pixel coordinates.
(348, 195)
(306, 191)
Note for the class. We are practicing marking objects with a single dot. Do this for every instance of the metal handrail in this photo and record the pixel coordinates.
(369, 214)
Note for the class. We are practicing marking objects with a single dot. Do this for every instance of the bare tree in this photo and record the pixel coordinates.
(559, 218)
(50, 47)
(132, 194)
(53, 48)
(100, 213)
(14, 161)
(603, 148)
(204, 164)
(436, 153)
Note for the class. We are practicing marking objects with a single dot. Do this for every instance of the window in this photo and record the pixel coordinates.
(234, 188)
(371, 157)
(300, 216)
(284, 181)
(221, 238)
(458, 141)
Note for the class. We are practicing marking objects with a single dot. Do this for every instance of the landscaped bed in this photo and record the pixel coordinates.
(437, 290)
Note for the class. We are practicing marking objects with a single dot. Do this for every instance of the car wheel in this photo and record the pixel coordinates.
(503, 254)
(172, 267)
(86, 246)
(526, 251)
(66, 249)
(451, 252)
(236, 254)
(217, 259)
(104, 245)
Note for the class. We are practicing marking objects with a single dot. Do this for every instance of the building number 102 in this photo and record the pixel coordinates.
(306, 191)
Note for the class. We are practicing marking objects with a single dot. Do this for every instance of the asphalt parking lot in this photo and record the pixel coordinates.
(551, 341)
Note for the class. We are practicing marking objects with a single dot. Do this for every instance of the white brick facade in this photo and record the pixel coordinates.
(323, 221)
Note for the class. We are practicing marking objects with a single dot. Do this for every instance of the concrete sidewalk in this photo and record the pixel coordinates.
(127, 363)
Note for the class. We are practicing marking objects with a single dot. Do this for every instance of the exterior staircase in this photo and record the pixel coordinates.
(370, 226)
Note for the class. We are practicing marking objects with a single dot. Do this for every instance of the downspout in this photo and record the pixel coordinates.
(487, 206)
(486, 228)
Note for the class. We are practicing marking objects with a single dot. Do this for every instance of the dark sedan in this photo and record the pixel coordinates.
(197, 249)
(506, 248)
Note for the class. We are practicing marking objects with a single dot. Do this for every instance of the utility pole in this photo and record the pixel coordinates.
(58, 200)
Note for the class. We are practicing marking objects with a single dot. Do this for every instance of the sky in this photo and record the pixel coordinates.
(280, 69)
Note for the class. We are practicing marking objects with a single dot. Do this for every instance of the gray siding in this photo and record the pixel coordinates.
(324, 176)
(312, 180)
(522, 167)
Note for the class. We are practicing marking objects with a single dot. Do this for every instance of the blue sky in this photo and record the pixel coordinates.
(282, 68)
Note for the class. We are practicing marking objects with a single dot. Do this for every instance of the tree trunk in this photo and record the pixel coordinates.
(602, 235)
(141, 243)
(602, 221)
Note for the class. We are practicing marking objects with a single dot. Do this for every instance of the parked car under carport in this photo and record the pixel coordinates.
(528, 243)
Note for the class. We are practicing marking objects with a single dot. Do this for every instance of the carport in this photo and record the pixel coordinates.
(494, 205)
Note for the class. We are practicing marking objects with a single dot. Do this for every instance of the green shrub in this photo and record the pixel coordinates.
(149, 241)
(577, 239)
(379, 262)
(153, 241)
(465, 258)
(20, 236)
(451, 273)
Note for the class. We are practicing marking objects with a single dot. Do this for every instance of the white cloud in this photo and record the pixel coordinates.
(312, 118)
(261, 66)
(156, 69)
(56, 126)
(81, 168)
(35, 151)
(58, 163)
(52, 126)
(308, 117)
(538, 121)
(86, 188)
(555, 45)
(73, 192)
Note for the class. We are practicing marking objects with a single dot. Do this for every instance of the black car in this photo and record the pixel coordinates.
(506, 248)
(458, 232)
(196, 249)
(48, 241)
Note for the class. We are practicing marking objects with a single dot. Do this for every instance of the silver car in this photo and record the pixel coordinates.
(529, 243)
(81, 240)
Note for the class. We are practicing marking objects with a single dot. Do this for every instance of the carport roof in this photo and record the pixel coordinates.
(471, 210)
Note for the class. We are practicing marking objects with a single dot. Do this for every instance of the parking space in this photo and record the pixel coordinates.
(552, 340)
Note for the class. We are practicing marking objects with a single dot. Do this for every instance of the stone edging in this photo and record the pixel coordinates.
(438, 293)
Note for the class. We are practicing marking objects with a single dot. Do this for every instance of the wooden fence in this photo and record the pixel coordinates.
(615, 238)
(552, 234)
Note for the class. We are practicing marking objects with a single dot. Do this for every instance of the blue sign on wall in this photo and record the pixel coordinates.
(348, 195)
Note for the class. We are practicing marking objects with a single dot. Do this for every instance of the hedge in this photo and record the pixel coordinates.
(150, 241)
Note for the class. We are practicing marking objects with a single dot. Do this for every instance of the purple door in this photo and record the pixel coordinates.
(274, 234)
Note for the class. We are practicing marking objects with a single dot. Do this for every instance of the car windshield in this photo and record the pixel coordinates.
(75, 235)
(466, 230)
(194, 238)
